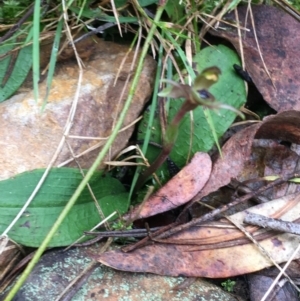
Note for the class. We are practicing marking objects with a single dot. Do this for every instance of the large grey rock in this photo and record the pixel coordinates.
(57, 269)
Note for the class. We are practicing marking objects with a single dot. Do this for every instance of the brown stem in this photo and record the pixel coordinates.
(168, 142)
(154, 166)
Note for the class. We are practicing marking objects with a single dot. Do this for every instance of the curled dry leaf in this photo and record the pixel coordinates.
(278, 37)
(283, 126)
(215, 249)
(179, 190)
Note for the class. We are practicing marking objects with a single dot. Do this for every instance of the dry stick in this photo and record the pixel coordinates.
(119, 234)
(177, 227)
(146, 240)
(272, 223)
(124, 233)
(89, 242)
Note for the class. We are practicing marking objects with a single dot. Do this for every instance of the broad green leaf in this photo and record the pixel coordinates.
(196, 135)
(13, 71)
(59, 186)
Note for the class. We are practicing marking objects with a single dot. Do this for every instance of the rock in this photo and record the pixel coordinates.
(260, 282)
(57, 269)
(30, 136)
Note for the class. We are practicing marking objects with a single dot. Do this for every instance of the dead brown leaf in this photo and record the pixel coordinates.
(178, 191)
(235, 153)
(200, 251)
(278, 37)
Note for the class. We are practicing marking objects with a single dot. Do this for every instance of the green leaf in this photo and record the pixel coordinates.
(59, 186)
(197, 135)
(13, 72)
(176, 12)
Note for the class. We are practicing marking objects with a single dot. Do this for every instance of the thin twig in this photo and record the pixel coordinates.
(124, 233)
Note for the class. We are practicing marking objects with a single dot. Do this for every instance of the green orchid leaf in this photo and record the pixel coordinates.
(38, 218)
(195, 132)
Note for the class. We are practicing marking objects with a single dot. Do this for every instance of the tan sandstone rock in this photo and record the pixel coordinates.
(30, 136)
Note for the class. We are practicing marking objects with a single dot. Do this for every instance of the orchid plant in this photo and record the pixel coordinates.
(195, 95)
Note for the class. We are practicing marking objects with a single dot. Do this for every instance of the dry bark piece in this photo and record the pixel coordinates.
(277, 34)
(179, 190)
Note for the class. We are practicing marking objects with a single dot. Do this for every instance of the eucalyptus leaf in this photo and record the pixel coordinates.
(195, 134)
(35, 223)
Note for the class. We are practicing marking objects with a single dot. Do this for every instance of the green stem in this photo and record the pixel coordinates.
(97, 162)
(36, 48)
(168, 142)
